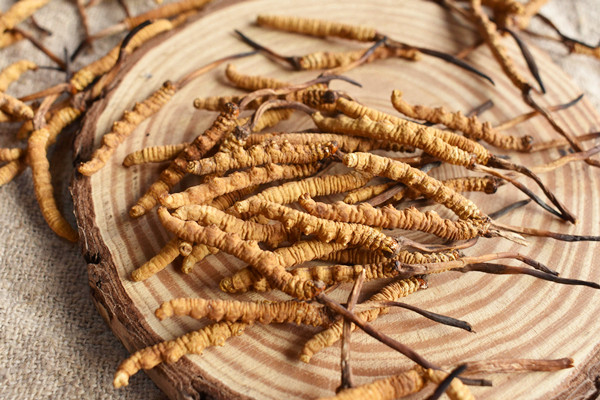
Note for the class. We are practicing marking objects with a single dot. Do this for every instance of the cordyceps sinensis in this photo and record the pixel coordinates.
(444, 145)
(171, 351)
(15, 107)
(249, 312)
(483, 184)
(273, 152)
(348, 144)
(205, 215)
(415, 379)
(125, 126)
(390, 218)
(14, 71)
(414, 178)
(469, 126)
(252, 82)
(249, 279)
(20, 11)
(573, 45)
(437, 191)
(180, 10)
(490, 36)
(224, 123)
(323, 28)
(295, 254)
(406, 131)
(122, 128)
(330, 60)
(39, 142)
(268, 263)
(339, 61)
(328, 231)
(394, 387)
(11, 170)
(205, 192)
(290, 192)
(11, 154)
(405, 384)
(172, 249)
(154, 154)
(82, 78)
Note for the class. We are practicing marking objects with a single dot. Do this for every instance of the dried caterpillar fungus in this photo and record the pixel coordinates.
(14, 71)
(488, 31)
(154, 154)
(12, 169)
(272, 234)
(225, 122)
(19, 12)
(82, 78)
(414, 178)
(123, 128)
(456, 391)
(412, 135)
(10, 154)
(327, 231)
(296, 254)
(291, 191)
(530, 8)
(38, 143)
(9, 38)
(348, 144)
(484, 184)
(316, 27)
(252, 82)
(367, 192)
(249, 279)
(470, 126)
(238, 180)
(165, 11)
(15, 107)
(279, 153)
(505, 6)
(171, 351)
(330, 60)
(267, 263)
(200, 251)
(249, 312)
(412, 130)
(374, 266)
(168, 253)
(164, 257)
(390, 218)
(355, 256)
(404, 384)
(579, 48)
(44, 191)
(216, 103)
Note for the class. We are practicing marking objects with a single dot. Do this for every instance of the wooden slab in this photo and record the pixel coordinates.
(515, 317)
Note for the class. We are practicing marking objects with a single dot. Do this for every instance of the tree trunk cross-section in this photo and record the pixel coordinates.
(514, 316)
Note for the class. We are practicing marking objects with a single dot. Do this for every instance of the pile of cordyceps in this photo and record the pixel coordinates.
(251, 179)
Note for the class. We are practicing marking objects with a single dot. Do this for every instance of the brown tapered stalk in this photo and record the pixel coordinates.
(388, 341)
(347, 332)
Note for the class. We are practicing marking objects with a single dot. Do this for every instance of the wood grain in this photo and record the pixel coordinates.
(514, 317)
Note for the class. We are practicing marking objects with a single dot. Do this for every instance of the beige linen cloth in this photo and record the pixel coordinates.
(53, 343)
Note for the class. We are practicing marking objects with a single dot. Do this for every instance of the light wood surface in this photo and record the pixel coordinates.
(514, 317)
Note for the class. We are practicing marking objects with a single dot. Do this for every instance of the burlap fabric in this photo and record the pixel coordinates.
(53, 343)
